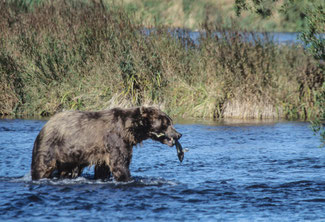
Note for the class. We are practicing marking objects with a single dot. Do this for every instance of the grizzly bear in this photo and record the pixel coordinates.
(73, 140)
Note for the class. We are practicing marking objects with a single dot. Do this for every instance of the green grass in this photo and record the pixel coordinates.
(85, 55)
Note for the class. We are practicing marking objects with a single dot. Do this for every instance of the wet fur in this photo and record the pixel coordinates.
(73, 140)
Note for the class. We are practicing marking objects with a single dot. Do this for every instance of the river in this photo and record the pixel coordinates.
(233, 171)
(282, 38)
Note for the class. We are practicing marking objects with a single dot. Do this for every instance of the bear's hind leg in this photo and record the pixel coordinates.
(102, 171)
(42, 169)
(40, 174)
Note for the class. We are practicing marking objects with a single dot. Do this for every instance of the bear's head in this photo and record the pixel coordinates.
(159, 126)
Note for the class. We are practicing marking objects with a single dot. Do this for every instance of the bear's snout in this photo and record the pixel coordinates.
(171, 136)
(176, 135)
(172, 133)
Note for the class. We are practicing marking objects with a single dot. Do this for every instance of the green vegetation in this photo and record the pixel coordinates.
(316, 46)
(314, 14)
(58, 55)
(287, 15)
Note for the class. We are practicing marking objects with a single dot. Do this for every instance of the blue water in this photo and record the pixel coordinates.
(276, 37)
(232, 172)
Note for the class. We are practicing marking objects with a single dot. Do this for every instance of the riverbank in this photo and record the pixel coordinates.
(78, 55)
(191, 14)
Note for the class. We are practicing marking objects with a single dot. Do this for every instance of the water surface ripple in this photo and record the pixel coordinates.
(233, 172)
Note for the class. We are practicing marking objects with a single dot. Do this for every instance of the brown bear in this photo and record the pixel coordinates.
(73, 140)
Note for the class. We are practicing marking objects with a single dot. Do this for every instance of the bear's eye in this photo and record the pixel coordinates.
(157, 124)
(166, 122)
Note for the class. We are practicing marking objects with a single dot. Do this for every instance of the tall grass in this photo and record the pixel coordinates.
(58, 55)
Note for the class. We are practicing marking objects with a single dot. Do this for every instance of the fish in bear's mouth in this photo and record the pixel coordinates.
(170, 141)
(163, 138)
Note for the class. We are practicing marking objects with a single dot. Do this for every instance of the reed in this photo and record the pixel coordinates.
(58, 55)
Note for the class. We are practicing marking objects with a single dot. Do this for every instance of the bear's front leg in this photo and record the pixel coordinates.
(120, 167)
(120, 155)
(120, 159)
(121, 174)
(102, 171)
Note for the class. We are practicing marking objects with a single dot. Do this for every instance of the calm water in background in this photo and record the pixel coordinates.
(233, 172)
(277, 37)
(282, 38)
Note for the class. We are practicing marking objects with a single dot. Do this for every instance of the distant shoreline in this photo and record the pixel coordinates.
(76, 55)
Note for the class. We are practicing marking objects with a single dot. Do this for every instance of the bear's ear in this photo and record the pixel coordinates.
(147, 111)
(144, 111)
